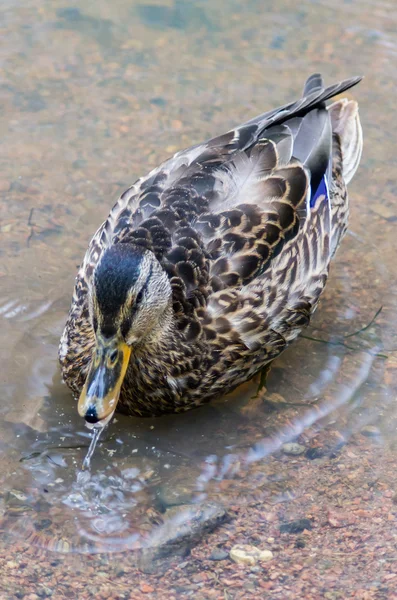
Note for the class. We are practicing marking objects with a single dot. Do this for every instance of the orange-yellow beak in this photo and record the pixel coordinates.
(101, 391)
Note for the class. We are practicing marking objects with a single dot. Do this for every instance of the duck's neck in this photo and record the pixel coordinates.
(160, 336)
(168, 349)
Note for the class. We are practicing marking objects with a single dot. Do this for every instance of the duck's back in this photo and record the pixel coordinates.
(218, 214)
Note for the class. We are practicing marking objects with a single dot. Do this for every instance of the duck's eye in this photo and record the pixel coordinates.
(126, 325)
(138, 298)
(113, 357)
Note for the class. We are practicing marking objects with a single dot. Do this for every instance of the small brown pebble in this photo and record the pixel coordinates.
(146, 588)
(339, 519)
(199, 577)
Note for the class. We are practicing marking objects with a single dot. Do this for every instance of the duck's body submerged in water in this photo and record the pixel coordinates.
(206, 269)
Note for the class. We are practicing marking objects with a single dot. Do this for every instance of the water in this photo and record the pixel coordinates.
(96, 433)
(92, 97)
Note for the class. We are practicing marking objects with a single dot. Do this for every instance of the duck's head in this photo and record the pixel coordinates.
(130, 302)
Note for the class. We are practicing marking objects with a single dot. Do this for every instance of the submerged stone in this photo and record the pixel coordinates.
(296, 526)
(219, 554)
(249, 555)
(293, 449)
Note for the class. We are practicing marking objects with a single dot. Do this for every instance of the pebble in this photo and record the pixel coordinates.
(146, 588)
(339, 519)
(370, 431)
(45, 592)
(296, 526)
(219, 554)
(315, 452)
(43, 524)
(158, 101)
(293, 449)
(249, 555)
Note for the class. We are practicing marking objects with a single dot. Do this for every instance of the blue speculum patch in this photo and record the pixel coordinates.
(322, 190)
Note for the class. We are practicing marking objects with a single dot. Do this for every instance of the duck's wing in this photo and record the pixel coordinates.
(250, 326)
(269, 311)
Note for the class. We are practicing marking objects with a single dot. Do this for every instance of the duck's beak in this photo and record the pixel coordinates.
(101, 391)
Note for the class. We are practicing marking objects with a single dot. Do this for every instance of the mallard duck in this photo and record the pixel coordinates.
(207, 268)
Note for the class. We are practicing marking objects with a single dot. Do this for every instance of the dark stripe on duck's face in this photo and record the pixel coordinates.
(126, 323)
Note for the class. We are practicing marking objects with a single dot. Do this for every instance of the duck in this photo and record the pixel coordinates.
(207, 268)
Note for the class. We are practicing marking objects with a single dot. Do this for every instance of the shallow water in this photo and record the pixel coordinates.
(92, 97)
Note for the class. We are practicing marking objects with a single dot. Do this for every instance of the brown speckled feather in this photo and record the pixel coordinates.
(240, 227)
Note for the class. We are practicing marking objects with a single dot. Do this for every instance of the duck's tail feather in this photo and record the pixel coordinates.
(314, 83)
(317, 94)
(314, 96)
(345, 122)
